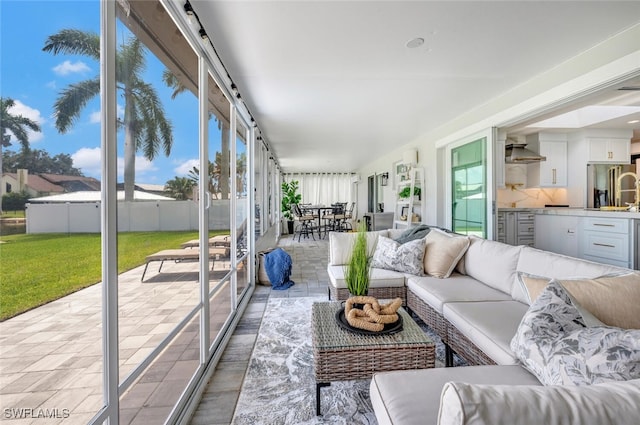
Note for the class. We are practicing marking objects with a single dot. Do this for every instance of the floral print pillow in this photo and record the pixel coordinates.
(554, 344)
(407, 257)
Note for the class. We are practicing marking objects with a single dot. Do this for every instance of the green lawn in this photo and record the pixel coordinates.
(12, 214)
(37, 269)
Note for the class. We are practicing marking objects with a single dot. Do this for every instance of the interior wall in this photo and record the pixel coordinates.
(614, 60)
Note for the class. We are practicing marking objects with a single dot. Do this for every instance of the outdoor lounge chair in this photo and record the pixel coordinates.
(182, 255)
(218, 240)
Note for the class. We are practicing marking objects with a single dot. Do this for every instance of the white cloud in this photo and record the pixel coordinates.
(20, 109)
(186, 166)
(67, 67)
(88, 160)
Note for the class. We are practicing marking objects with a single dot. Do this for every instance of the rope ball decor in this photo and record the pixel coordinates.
(373, 316)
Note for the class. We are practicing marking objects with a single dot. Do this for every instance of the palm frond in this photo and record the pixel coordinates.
(173, 82)
(74, 42)
(131, 61)
(157, 130)
(72, 100)
(16, 124)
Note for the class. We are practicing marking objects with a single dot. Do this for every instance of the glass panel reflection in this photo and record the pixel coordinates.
(157, 219)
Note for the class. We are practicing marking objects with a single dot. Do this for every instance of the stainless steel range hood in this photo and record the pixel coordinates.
(516, 153)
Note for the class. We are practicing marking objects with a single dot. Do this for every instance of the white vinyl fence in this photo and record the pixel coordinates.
(132, 216)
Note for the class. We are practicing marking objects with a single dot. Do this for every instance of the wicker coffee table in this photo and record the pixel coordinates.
(342, 355)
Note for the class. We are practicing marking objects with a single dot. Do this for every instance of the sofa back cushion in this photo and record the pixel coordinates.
(556, 266)
(492, 263)
(341, 245)
(468, 403)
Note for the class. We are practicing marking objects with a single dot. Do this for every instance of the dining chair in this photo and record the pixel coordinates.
(334, 220)
(305, 222)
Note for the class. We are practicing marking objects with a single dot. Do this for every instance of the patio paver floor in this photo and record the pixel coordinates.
(51, 356)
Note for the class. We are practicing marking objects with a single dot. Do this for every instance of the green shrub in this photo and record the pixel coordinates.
(15, 201)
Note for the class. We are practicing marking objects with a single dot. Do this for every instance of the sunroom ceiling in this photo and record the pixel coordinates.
(333, 86)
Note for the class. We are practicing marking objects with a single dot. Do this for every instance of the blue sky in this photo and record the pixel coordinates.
(34, 78)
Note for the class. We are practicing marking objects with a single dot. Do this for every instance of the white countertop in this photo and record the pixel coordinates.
(586, 212)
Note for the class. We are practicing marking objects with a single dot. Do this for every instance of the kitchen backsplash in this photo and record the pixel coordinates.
(530, 198)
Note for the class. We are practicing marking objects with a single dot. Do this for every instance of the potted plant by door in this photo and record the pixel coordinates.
(289, 196)
(356, 273)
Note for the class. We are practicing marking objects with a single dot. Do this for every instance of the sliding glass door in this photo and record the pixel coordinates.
(469, 188)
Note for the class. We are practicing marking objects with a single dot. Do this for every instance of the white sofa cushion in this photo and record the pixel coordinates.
(481, 404)
(379, 278)
(341, 245)
(412, 397)
(436, 292)
(443, 252)
(556, 266)
(489, 325)
(492, 263)
(553, 342)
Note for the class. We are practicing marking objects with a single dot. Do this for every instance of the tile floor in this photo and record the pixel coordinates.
(309, 272)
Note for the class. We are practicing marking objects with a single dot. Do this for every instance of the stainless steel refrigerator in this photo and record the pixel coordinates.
(601, 184)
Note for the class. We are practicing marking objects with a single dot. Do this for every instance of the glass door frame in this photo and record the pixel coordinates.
(490, 136)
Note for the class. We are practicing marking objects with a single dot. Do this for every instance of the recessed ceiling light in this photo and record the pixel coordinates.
(416, 42)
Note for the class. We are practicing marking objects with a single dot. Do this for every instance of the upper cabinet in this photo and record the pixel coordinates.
(606, 149)
(553, 171)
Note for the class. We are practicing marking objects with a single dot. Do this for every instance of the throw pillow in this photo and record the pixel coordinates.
(533, 285)
(406, 257)
(554, 344)
(443, 252)
(614, 299)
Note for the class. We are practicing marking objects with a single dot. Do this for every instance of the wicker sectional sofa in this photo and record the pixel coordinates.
(476, 311)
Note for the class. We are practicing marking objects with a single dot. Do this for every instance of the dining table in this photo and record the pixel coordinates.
(317, 211)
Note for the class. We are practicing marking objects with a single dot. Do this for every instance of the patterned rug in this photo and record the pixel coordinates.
(279, 387)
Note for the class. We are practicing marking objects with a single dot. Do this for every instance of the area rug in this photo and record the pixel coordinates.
(279, 387)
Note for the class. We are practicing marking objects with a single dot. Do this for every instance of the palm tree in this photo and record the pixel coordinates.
(180, 188)
(16, 124)
(145, 126)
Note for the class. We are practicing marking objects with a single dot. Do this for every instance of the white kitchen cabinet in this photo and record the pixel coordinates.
(605, 149)
(553, 171)
(557, 233)
(606, 240)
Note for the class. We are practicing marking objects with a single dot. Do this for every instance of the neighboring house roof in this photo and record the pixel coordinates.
(150, 187)
(94, 196)
(71, 182)
(38, 184)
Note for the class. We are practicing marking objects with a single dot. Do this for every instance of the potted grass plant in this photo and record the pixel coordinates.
(356, 273)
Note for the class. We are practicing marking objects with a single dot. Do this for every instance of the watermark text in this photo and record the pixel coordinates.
(35, 413)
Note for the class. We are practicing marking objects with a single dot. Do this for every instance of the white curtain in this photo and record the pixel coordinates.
(324, 188)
